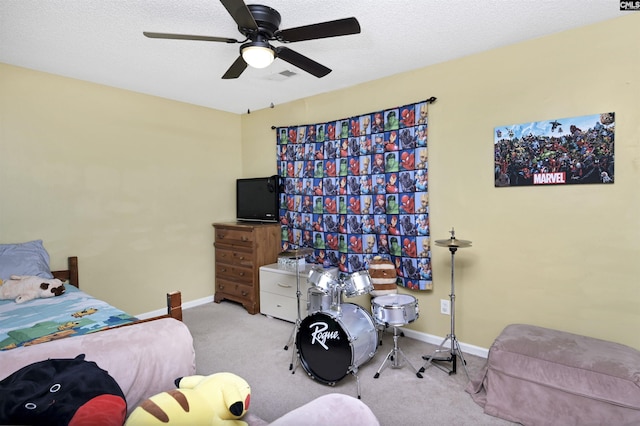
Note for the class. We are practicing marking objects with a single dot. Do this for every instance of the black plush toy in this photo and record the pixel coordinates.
(62, 392)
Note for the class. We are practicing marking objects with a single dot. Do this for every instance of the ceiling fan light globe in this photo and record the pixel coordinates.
(258, 56)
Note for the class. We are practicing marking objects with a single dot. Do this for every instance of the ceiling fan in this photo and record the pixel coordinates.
(260, 24)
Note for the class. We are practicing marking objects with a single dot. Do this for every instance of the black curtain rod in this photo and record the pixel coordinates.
(429, 101)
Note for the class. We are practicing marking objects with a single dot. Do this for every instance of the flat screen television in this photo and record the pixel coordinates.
(257, 199)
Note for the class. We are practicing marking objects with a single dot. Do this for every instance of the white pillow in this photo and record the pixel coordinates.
(28, 258)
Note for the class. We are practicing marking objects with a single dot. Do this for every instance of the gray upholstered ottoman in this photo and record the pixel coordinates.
(539, 376)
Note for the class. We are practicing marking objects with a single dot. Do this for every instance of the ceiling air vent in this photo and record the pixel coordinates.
(281, 75)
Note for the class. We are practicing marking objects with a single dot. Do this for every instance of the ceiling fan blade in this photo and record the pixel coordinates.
(189, 37)
(240, 13)
(235, 69)
(302, 62)
(335, 28)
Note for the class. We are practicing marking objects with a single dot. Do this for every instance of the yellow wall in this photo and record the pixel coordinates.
(562, 257)
(131, 183)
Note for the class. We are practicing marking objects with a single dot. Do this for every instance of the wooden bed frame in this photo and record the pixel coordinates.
(174, 299)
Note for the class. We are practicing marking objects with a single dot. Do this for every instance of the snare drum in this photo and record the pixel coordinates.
(335, 343)
(395, 309)
(357, 284)
(322, 279)
(318, 300)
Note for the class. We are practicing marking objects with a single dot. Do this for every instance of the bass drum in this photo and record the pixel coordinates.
(334, 344)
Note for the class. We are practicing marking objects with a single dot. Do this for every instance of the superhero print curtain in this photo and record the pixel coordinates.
(356, 188)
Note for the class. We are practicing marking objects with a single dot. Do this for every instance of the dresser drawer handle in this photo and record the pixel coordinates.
(244, 293)
(241, 274)
(245, 238)
(241, 257)
(284, 285)
(221, 286)
(223, 269)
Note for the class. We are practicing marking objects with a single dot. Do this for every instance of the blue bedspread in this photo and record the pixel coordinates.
(41, 320)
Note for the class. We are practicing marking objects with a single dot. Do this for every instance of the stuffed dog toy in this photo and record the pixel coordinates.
(216, 400)
(23, 288)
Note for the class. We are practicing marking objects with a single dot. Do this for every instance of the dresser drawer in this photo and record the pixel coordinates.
(231, 256)
(235, 236)
(283, 284)
(242, 292)
(282, 307)
(234, 273)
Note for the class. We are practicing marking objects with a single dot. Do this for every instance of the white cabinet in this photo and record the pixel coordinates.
(278, 291)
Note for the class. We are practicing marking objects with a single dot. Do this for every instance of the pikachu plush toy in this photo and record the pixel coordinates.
(218, 399)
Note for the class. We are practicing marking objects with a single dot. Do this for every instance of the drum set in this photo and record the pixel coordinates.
(336, 338)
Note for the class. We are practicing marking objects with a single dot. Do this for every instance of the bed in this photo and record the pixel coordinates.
(143, 356)
(76, 313)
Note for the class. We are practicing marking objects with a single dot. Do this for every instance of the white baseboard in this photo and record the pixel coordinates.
(417, 335)
(436, 340)
(185, 305)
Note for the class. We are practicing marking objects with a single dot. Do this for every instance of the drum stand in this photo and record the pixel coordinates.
(454, 352)
(394, 355)
(296, 327)
(336, 307)
(355, 374)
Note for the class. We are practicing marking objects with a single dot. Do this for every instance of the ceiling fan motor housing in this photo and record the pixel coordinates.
(267, 18)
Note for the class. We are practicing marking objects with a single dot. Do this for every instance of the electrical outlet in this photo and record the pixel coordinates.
(445, 306)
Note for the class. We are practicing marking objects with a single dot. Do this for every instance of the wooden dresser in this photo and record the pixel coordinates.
(240, 250)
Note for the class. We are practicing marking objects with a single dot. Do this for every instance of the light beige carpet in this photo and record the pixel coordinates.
(227, 338)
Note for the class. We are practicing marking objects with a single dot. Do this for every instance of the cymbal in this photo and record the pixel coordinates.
(453, 242)
(302, 251)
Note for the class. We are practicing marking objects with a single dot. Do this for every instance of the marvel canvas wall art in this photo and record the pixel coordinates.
(565, 151)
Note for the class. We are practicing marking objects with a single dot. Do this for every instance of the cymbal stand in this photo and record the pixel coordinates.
(454, 351)
(296, 327)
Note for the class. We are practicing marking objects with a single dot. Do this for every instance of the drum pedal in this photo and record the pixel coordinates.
(440, 359)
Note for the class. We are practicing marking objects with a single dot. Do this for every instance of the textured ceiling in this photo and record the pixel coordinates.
(101, 41)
